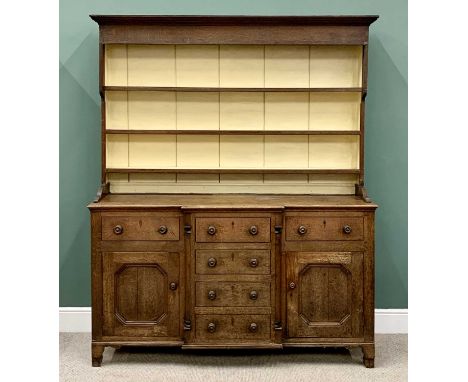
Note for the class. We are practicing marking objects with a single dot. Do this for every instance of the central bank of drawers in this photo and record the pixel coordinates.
(235, 279)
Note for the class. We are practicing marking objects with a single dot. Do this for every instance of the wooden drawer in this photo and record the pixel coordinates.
(300, 228)
(224, 293)
(223, 262)
(156, 227)
(232, 230)
(218, 327)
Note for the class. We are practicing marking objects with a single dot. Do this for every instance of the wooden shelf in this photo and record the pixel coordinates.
(231, 170)
(211, 89)
(236, 132)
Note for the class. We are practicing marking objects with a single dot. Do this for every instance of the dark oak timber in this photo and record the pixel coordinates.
(232, 271)
(206, 89)
(231, 170)
(236, 132)
(305, 30)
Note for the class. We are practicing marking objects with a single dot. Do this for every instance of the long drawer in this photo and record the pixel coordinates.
(225, 293)
(218, 327)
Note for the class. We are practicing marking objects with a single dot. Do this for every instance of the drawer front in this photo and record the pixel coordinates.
(223, 262)
(300, 228)
(215, 327)
(223, 293)
(232, 230)
(160, 228)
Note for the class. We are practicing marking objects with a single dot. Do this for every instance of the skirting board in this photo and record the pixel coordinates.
(386, 320)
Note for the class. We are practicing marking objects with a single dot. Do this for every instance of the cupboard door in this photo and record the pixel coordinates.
(141, 294)
(324, 294)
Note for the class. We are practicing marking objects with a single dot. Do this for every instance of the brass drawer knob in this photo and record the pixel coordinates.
(253, 263)
(292, 285)
(173, 286)
(302, 230)
(253, 327)
(211, 327)
(211, 295)
(162, 230)
(211, 230)
(347, 229)
(253, 295)
(212, 262)
(118, 229)
(253, 230)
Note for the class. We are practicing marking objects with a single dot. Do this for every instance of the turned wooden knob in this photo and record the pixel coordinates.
(253, 230)
(253, 327)
(211, 295)
(211, 230)
(253, 263)
(118, 229)
(347, 229)
(212, 262)
(173, 286)
(253, 295)
(292, 285)
(211, 327)
(162, 230)
(302, 230)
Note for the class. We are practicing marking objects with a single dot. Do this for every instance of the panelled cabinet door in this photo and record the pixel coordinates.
(141, 294)
(324, 294)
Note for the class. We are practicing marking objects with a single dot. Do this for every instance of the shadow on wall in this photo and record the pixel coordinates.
(79, 168)
(387, 173)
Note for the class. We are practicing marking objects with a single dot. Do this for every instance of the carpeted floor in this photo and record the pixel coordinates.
(174, 365)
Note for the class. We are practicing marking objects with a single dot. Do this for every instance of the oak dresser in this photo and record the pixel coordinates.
(232, 211)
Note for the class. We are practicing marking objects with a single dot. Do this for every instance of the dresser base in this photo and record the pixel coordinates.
(232, 272)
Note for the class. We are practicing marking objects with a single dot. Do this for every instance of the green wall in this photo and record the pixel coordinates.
(386, 126)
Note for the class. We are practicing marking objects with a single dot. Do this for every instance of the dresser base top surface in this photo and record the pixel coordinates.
(231, 201)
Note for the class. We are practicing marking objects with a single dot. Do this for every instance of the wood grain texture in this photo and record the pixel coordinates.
(96, 277)
(218, 170)
(140, 228)
(239, 201)
(324, 228)
(139, 301)
(232, 328)
(113, 88)
(235, 261)
(235, 132)
(234, 34)
(232, 230)
(176, 269)
(325, 294)
(239, 293)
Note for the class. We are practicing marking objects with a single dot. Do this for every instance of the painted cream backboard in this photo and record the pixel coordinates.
(242, 111)
(232, 66)
(242, 66)
(287, 66)
(197, 65)
(151, 65)
(286, 111)
(197, 111)
(152, 110)
(152, 151)
(334, 111)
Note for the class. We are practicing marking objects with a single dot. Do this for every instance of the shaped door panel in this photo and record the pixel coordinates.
(141, 294)
(324, 297)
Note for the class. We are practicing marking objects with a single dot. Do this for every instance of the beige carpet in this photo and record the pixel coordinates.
(174, 365)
